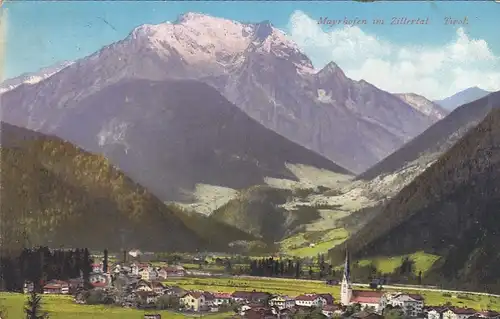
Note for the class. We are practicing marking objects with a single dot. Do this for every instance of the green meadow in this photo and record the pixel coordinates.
(63, 307)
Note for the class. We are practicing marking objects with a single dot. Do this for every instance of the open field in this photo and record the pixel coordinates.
(293, 287)
(386, 265)
(62, 307)
(298, 245)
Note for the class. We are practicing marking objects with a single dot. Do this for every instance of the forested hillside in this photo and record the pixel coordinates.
(451, 210)
(57, 194)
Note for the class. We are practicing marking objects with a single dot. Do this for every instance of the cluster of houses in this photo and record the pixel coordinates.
(99, 279)
(459, 313)
(264, 305)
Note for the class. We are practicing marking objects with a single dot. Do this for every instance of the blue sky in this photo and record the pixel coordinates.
(41, 34)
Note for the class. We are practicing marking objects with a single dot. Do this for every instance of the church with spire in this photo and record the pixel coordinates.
(348, 296)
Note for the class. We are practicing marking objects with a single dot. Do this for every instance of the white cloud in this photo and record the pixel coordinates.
(435, 72)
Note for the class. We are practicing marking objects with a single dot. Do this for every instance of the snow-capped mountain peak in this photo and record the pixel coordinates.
(197, 37)
(200, 38)
(32, 78)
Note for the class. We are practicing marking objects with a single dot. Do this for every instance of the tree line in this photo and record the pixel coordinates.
(272, 267)
(41, 265)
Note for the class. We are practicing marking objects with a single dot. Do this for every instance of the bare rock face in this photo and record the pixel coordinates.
(423, 105)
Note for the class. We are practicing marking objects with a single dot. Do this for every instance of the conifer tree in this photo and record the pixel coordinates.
(105, 262)
(86, 269)
(33, 307)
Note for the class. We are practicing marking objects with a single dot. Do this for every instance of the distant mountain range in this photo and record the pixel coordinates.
(462, 97)
(32, 78)
(256, 67)
(450, 210)
(59, 194)
(415, 156)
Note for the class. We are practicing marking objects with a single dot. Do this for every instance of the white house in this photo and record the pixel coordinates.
(411, 304)
(148, 274)
(135, 253)
(116, 269)
(28, 287)
(458, 313)
(310, 300)
(136, 267)
(196, 301)
(221, 299)
(98, 267)
(282, 302)
(332, 311)
(143, 285)
(99, 277)
(488, 314)
(434, 312)
(56, 287)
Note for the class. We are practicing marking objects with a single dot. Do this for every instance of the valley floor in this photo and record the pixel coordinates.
(64, 307)
(293, 287)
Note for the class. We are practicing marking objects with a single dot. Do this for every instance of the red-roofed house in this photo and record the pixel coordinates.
(56, 287)
(310, 300)
(222, 298)
(363, 297)
(99, 285)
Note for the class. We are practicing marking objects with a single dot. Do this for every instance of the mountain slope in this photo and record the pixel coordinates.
(256, 67)
(451, 210)
(462, 97)
(62, 195)
(169, 139)
(423, 105)
(355, 123)
(417, 154)
(259, 212)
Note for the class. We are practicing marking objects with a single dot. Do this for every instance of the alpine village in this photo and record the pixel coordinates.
(205, 168)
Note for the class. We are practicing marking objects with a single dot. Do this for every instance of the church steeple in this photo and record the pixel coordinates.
(347, 268)
(346, 289)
